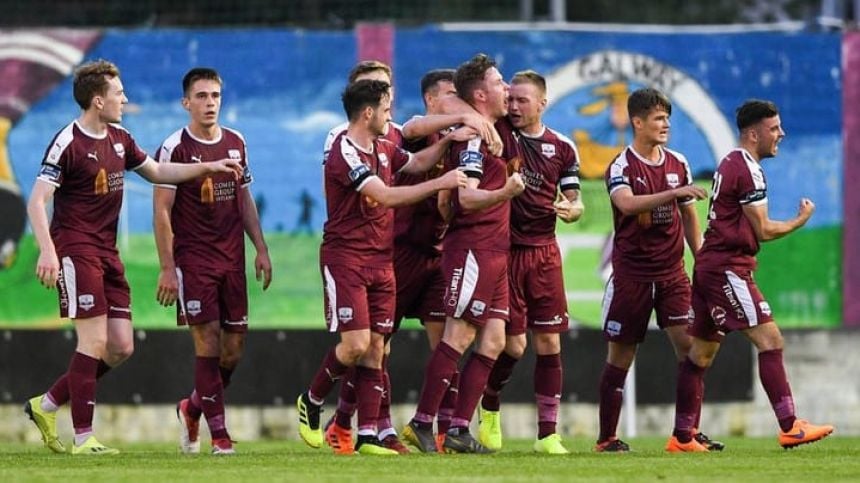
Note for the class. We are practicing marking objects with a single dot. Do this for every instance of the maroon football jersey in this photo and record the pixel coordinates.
(549, 161)
(207, 212)
(88, 172)
(487, 229)
(730, 241)
(420, 226)
(393, 134)
(648, 246)
(359, 231)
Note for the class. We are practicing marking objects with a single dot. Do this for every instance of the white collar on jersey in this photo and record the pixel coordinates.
(90, 134)
(648, 161)
(205, 141)
(533, 136)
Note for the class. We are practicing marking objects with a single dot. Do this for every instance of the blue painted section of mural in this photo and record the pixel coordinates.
(283, 92)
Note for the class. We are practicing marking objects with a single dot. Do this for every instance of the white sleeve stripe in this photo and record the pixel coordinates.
(167, 186)
(147, 160)
(619, 186)
(46, 180)
(569, 180)
(756, 203)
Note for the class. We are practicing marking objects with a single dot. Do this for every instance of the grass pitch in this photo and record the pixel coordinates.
(746, 459)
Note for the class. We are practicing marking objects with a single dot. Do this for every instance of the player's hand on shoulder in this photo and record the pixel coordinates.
(463, 133)
(168, 288)
(486, 131)
(515, 185)
(228, 165)
(691, 191)
(48, 268)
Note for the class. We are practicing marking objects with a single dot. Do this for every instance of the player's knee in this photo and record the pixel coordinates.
(121, 352)
(547, 344)
(516, 346)
(353, 350)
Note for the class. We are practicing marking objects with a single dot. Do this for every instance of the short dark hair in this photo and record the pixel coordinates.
(471, 73)
(198, 73)
(641, 101)
(754, 110)
(530, 77)
(91, 79)
(434, 77)
(366, 66)
(361, 94)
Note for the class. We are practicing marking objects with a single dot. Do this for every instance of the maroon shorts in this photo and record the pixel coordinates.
(90, 286)
(420, 286)
(723, 302)
(358, 298)
(627, 307)
(207, 294)
(476, 285)
(538, 299)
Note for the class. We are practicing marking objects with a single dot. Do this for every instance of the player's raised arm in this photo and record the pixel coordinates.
(425, 159)
(766, 229)
(48, 265)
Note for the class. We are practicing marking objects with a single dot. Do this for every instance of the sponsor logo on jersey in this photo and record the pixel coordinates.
(119, 149)
(672, 179)
(344, 314)
(478, 308)
(86, 301)
(547, 149)
(764, 307)
(613, 328)
(194, 307)
(100, 185)
(383, 159)
(234, 154)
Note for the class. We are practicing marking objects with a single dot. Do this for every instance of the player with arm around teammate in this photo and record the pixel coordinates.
(652, 194)
(83, 173)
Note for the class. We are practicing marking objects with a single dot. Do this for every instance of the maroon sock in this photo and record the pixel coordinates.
(369, 390)
(771, 371)
(226, 375)
(59, 392)
(437, 377)
(346, 401)
(384, 421)
(501, 374)
(548, 377)
(449, 402)
(688, 399)
(82, 391)
(473, 381)
(208, 385)
(329, 372)
(611, 397)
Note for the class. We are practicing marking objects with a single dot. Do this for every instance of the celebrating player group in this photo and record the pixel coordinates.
(449, 218)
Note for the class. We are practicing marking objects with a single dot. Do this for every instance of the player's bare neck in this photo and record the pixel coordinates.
(361, 136)
(206, 133)
(751, 150)
(648, 150)
(92, 123)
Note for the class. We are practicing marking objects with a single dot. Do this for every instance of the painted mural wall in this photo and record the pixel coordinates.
(283, 89)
